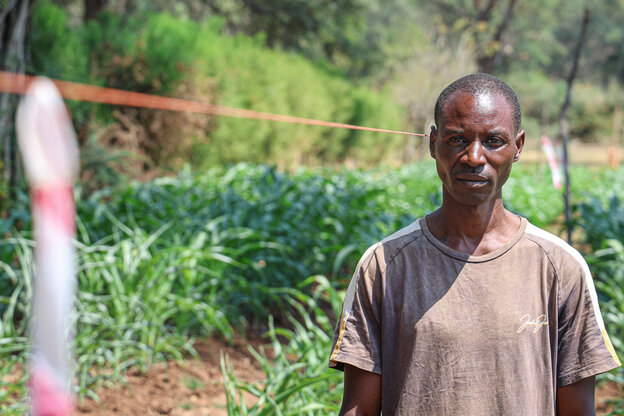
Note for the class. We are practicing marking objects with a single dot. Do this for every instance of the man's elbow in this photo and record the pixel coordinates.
(356, 411)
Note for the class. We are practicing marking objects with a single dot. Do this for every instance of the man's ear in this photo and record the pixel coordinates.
(432, 138)
(519, 145)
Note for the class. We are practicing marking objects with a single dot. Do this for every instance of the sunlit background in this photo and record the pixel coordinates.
(200, 236)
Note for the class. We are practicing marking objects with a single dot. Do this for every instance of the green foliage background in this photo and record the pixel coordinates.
(224, 245)
(161, 54)
(215, 57)
(208, 254)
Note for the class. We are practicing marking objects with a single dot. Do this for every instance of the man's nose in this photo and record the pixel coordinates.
(474, 155)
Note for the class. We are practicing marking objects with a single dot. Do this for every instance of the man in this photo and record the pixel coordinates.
(471, 310)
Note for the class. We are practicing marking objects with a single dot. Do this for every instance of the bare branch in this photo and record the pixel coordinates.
(563, 120)
(486, 13)
(486, 62)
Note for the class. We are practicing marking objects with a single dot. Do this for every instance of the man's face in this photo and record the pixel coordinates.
(475, 146)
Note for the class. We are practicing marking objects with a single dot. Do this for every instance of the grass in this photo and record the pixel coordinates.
(297, 381)
(206, 255)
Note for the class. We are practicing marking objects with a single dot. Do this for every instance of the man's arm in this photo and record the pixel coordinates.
(362, 393)
(577, 399)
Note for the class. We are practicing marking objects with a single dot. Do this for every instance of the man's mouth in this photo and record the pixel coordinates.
(472, 181)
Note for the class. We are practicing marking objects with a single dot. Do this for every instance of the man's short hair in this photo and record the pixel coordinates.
(480, 83)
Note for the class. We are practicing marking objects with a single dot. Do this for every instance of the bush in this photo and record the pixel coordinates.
(164, 55)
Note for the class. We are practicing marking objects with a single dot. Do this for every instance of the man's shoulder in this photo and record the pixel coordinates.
(558, 251)
(397, 241)
(408, 233)
(392, 244)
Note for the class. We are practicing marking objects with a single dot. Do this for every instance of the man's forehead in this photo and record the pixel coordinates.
(484, 103)
(485, 99)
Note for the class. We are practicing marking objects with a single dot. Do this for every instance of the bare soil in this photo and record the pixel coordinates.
(195, 387)
(189, 388)
(606, 392)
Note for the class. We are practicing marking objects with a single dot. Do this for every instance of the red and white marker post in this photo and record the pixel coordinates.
(48, 146)
(551, 156)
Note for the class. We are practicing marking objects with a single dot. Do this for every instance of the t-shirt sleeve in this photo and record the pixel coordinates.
(584, 348)
(357, 338)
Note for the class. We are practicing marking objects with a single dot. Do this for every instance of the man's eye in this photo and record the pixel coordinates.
(494, 141)
(456, 140)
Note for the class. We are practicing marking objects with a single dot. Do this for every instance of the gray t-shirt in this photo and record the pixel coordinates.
(454, 334)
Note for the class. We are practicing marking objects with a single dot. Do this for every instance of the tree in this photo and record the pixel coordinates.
(331, 30)
(416, 86)
(488, 22)
(493, 54)
(14, 19)
(92, 8)
(563, 119)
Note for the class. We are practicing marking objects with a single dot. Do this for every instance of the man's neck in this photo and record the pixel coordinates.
(475, 230)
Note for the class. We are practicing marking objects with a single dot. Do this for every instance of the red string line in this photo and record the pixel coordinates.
(18, 84)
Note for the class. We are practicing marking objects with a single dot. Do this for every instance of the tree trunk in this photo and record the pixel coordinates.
(92, 8)
(486, 62)
(563, 122)
(484, 13)
(13, 31)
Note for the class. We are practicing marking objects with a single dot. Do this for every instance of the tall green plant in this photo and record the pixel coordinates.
(197, 255)
(298, 381)
(603, 226)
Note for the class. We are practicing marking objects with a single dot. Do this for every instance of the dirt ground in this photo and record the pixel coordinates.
(195, 387)
(189, 388)
(606, 392)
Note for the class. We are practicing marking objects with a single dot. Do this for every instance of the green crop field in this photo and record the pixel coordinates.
(212, 254)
